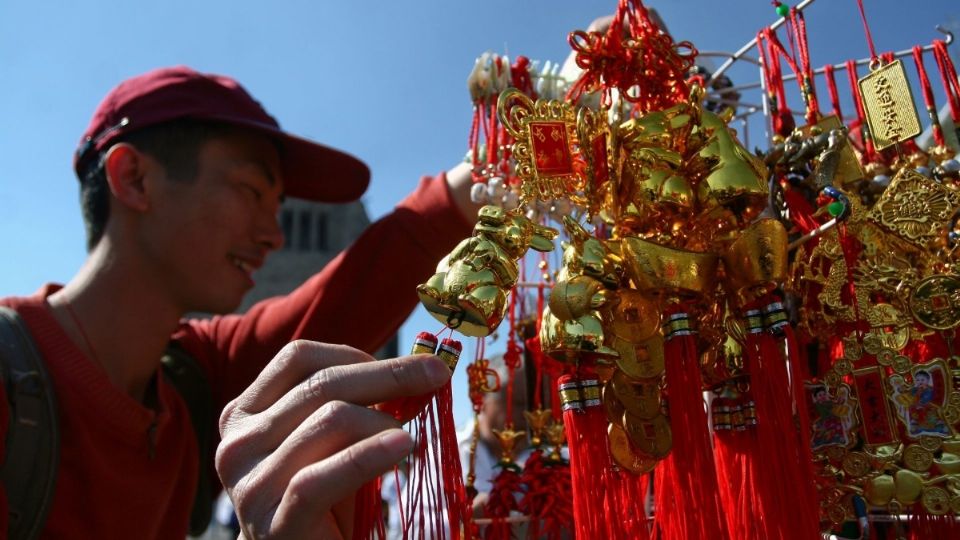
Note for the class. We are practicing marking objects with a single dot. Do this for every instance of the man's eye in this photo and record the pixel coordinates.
(257, 194)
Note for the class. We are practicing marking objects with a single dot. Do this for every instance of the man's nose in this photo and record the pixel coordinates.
(270, 234)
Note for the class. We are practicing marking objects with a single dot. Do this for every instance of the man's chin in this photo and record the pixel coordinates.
(220, 306)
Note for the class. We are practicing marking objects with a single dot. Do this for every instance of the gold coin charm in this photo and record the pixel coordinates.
(917, 458)
(935, 302)
(652, 437)
(635, 317)
(625, 455)
(888, 101)
(901, 364)
(930, 443)
(611, 403)
(843, 366)
(885, 356)
(951, 414)
(641, 400)
(836, 513)
(936, 500)
(856, 464)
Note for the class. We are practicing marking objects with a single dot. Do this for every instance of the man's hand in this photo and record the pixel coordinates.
(301, 440)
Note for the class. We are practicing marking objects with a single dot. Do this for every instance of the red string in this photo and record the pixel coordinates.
(781, 118)
(805, 74)
(948, 75)
(866, 30)
(865, 141)
(646, 59)
(474, 142)
(828, 73)
(927, 91)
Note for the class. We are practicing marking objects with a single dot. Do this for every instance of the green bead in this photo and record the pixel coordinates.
(783, 10)
(835, 208)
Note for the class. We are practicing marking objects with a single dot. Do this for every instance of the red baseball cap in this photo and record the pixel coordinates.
(310, 170)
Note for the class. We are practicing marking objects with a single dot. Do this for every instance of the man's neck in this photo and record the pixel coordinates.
(118, 318)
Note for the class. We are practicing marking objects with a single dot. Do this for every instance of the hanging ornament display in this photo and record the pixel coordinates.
(711, 325)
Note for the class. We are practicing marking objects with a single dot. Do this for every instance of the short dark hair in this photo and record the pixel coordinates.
(175, 145)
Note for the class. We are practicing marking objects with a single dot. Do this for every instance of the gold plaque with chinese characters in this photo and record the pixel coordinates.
(888, 101)
(546, 138)
(915, 208)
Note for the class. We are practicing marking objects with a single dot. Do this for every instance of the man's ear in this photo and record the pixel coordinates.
(125, 168)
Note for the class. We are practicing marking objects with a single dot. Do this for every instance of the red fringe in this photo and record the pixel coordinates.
(433, 503)
(782, 457)
(368, 515)
(687, 495)
(502, 501)
(548, 499)
(586, 431)
(924, 526)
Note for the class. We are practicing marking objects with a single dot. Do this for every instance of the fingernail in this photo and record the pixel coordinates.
(437, 371)
(396, 441)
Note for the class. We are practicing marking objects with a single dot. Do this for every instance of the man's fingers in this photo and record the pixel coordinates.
(294, 363)
(323, 484)
(333, 427)
(363, 384)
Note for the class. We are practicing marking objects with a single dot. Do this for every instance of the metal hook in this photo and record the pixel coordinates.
(949, 35)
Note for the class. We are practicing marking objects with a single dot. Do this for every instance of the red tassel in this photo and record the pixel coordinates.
(782, 455)
(548, 498)
(501, 503)
(923, 526)
(585, 425)
(688, 502)
(433, 504)
(368, 513)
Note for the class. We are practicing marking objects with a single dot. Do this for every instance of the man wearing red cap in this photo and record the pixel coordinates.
(181, 177)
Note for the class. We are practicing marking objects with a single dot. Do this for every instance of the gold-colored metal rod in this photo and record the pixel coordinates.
(751, 44)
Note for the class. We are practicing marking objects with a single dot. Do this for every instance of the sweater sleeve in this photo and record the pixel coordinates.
(359, 299)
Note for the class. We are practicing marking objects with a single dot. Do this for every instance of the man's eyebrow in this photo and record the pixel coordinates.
(270, 177)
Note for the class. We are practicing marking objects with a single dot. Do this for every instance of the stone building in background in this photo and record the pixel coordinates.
(314, 234)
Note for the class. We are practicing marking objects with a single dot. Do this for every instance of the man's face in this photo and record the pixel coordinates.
(206, 236)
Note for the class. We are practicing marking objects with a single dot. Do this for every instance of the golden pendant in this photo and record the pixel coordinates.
(888, 101)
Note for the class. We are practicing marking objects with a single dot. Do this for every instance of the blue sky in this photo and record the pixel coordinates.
(383, 80)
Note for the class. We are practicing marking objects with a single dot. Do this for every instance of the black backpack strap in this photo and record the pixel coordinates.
(29, 471)
(184, 373)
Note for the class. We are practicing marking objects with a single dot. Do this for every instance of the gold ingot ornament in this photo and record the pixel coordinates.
(756, 262)
(657, 269)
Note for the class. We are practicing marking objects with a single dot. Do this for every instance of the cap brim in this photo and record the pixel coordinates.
(316, 172)
(313, 171)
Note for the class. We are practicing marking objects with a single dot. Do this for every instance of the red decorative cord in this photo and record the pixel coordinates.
(769, 47)
(805, 73)
(828, 73)
(948, 75)
(927, 91)
(634, 56)
(866, 30)
(865, 141)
